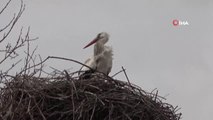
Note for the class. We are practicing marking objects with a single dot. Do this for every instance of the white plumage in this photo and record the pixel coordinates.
(102, 58)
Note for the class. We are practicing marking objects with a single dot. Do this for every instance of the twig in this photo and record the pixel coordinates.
(93, 110)
(5, 7)
(62, 58)
(128, 79)
(117, 73)
(13, 65)
(22, 8)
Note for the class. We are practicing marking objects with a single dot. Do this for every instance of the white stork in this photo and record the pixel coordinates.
(102, 58)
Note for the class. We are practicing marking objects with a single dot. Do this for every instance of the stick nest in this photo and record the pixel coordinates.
(65, 97)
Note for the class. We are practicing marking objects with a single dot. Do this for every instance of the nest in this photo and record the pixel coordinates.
(66, 97)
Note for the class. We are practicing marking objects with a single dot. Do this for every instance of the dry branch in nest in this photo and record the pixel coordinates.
(73, 98)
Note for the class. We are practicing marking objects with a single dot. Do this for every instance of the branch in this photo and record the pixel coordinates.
(13, 21)
(5, 7)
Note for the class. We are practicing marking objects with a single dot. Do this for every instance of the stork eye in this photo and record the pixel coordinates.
(99, 35)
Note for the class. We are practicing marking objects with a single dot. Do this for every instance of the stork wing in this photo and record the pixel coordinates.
(89, 62)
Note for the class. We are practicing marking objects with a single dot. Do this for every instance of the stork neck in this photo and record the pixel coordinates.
(98, 49)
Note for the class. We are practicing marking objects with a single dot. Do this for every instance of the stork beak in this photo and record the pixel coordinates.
(92, 42)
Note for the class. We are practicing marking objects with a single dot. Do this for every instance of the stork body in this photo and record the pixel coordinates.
(102, 57)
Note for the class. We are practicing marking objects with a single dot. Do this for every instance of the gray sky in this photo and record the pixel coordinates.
(175, 60)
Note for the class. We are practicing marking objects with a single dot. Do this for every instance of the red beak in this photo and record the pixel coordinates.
(92, 42)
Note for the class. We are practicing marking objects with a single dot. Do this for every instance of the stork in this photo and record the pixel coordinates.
(101, 60)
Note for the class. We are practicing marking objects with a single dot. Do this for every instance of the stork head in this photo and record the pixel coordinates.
(101, 38)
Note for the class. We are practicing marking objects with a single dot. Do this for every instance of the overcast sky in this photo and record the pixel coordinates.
(178, 61)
